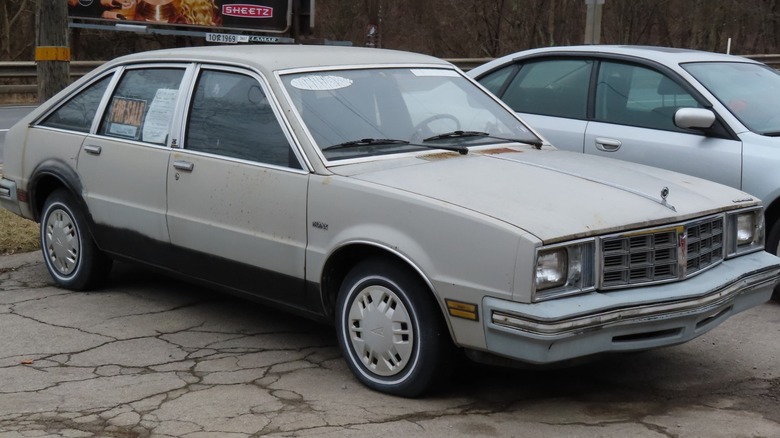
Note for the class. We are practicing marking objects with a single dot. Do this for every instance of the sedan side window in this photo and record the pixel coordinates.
(495, 80)
(556, 88)
(633, 95)
(142, 105)
(231, 116)
(79, 112)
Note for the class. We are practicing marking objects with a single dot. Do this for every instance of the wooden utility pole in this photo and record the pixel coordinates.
(52, 53)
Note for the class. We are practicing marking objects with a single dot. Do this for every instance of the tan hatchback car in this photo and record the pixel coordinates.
(385, 193)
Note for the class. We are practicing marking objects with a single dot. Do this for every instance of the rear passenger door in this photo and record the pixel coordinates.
(550, 94)
(123, 165)
(237, 189)
(634, 121)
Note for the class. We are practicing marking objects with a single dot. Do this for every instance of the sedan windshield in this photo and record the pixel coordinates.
(750, 91)
(369, 112)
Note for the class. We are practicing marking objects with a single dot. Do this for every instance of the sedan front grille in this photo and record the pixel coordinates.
(661, 254)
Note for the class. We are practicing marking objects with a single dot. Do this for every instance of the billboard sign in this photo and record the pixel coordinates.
(251, 15)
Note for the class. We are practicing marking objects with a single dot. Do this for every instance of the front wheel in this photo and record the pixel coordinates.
(71, 256)
(390, 330)
(773, 247)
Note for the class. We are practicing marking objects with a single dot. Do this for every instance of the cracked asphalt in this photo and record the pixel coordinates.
(149, 356)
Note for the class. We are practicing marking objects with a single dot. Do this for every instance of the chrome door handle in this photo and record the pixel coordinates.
(92, 149)
(185, 166)
(607, 144)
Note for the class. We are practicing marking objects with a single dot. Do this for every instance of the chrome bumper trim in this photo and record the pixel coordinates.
(721, 298)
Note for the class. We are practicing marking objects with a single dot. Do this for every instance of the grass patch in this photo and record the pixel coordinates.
(17, 234)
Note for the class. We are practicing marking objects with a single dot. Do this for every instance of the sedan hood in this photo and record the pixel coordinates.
(552, 194)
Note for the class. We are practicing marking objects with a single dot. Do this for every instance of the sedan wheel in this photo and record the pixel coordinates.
(72, 258)
(390, 329)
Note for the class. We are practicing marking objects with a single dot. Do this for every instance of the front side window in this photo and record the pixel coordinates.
(231, 116)
(369, 112)
(633, 95)
(79, 112)
(142, 106)
(557, 88)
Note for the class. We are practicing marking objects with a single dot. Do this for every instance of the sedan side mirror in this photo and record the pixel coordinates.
(694, 118)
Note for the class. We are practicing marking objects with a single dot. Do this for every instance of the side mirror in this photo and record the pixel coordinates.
(694, 118)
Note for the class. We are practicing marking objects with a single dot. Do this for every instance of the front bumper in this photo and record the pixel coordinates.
(630, 319)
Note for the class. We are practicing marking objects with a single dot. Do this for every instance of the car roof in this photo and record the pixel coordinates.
(668, 56)
(660, 54)
(269, 58)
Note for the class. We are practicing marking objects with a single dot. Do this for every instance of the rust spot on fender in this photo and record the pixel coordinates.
(499, 151)
(439, 156)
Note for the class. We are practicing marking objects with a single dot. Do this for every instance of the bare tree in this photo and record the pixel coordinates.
(17, 30)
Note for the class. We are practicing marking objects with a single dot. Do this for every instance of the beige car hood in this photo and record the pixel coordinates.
(552, 194)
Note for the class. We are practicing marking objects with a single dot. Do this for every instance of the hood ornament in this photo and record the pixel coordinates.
(664, 195)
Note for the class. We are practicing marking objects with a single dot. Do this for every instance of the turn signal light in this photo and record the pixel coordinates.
(463, 310)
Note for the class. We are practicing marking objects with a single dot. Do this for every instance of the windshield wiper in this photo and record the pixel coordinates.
(364, 142)
(461, 134)
(389, 141)
(458, 134)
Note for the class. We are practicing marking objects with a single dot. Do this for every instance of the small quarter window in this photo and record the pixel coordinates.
(79, 112)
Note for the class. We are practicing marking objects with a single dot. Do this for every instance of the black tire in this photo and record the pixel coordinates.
(772, 243)
(375, 298)
(71, 256)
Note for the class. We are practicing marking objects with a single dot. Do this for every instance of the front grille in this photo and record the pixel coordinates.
(655, 255)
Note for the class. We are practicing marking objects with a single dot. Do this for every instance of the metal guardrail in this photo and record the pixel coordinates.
(23, 74)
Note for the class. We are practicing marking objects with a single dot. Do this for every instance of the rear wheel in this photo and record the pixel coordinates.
(71, 256)
(390, 330)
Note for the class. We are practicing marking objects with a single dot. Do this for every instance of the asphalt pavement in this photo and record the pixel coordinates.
(148, 356)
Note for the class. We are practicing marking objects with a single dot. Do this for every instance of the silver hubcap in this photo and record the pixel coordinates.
(380, 330)
(62, 242)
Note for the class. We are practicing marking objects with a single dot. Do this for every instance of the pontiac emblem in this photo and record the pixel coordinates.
(664, 193)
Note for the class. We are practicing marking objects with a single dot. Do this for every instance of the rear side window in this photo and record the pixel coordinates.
(142, 105)
(231, 116)
(494, 80)
(79, 112)
(556, 88)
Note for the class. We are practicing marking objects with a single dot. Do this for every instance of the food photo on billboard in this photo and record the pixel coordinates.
(263, 15)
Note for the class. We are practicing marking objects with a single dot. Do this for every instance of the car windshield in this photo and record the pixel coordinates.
(369, 112)
(750, 91)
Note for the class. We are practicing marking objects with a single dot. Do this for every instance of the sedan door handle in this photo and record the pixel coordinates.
(93, 149)
(185, 166)
(607, 144)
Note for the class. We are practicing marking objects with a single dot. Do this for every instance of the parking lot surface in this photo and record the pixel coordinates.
(149, 356)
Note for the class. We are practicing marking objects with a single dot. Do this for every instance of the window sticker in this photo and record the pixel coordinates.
(435, 72)
(320, 82)
(126, 117)
(159, 118)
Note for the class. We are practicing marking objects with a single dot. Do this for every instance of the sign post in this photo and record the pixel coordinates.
(593, 21)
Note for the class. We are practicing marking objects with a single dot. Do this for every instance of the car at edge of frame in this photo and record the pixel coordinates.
(385, 193)
(710, 115)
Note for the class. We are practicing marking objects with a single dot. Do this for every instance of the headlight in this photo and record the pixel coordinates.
(745, 232)
(564, 270)
(551, 268)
